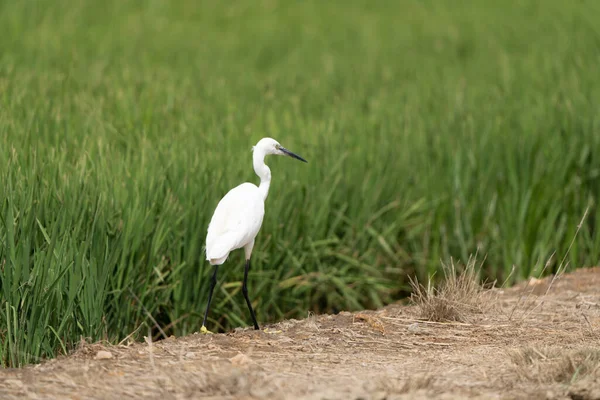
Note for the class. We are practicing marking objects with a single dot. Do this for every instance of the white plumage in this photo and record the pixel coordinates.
(235, 223)
(238, 218)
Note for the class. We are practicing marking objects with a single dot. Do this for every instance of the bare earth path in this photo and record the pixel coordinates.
(550, 348)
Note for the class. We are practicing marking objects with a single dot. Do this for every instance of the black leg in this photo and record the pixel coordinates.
(245, 292)
(213, 282)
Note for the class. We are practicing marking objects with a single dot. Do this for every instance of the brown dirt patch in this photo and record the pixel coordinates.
(532, 344)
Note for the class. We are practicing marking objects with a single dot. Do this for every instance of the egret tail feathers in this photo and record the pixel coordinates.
(218, 249)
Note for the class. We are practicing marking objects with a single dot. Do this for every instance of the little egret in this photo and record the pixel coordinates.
(238, 218)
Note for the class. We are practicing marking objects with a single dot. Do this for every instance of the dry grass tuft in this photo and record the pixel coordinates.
(458, 296)
(311, 322)
(554, 364)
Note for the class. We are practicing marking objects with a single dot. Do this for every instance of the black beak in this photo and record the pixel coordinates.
(289, 153)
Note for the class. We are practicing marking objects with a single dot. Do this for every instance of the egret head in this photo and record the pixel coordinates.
(272, 146)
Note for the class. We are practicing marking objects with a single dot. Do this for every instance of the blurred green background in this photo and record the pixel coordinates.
(433, 129)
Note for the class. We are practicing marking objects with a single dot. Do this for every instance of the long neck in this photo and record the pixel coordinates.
(263, 172)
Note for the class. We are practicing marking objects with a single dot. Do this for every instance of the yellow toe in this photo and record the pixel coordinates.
(266, 330)
(205, 331)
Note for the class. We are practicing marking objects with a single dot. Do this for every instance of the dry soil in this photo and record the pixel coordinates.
(540, 339)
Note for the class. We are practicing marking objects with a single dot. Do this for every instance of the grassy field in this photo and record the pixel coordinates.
(433, 129)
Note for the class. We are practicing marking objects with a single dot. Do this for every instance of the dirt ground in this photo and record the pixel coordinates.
(531, 343)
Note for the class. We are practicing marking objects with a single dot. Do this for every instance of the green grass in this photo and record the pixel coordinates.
(432, 129)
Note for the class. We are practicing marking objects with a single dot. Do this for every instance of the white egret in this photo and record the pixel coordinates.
(238, 218)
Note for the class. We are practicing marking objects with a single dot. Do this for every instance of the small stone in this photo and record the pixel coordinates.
(103, 355)
(414, 327)
(534, 281)
(190, 355)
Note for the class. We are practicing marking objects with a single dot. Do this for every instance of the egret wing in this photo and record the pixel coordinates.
(236, 221)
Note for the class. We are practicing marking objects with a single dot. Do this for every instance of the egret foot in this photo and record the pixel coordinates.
(266, 330)
(205, 331)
